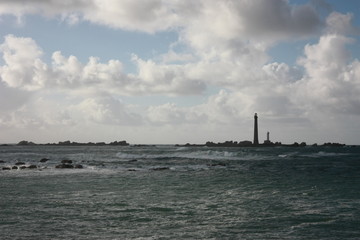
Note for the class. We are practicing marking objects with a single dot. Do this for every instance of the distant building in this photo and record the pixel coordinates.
(267, 141)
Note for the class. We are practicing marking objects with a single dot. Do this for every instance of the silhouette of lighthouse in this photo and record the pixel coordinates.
(256, 135)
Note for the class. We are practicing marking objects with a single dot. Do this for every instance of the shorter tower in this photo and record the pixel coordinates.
(267, 141)
(256, 135)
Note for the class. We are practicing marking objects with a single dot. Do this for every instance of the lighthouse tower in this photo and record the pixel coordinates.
(256, 135)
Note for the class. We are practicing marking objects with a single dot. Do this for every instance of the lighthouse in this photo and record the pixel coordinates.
(256, 135)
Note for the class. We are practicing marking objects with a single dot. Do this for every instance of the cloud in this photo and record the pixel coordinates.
(228, 41)
(171, 114)
(332, 78)
(338, 23)
(144, 15)
(24, 69)
(11, 98)
(45, 111)
(107, 111)
(221, 18)
(163, 78)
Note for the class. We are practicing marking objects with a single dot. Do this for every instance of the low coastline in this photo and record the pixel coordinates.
(245, 143)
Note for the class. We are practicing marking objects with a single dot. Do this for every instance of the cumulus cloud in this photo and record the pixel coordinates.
(332, 80)
(106, 110)
(24, 69)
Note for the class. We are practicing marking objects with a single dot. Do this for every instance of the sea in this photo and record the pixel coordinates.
(180, 192)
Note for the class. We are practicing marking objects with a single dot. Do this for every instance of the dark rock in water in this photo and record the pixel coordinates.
(160, 168)
(132, 160)
(217, 164)
(1, 161)
(64, 166)
(131, 170)
(65, 161)
(23, 167)
(79, 166)
(20, 163)
(44, 160)
(14, 168)
(32, 166)
(6, 168)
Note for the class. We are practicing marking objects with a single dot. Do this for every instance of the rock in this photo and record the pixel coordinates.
(1, 161)
(64, 166)
(79, 166)
(44, 160)
(20, 163)
(160, 168)
(217, 164)
(32, 166)
(65, 161)
(23, 167)
(131, 170)
(132, 160)
(6, 168)
(14, 168)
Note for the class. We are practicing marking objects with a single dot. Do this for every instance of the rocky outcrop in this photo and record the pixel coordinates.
(44, 160)
(65, 161)
(21, 167)
(160, 168)
(219, 164)
(69, 166)
(64, 165)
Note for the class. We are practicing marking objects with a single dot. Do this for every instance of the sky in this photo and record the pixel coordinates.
(179, 71)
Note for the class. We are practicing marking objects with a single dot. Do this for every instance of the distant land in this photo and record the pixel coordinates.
(265, 144)
(69, 143)
(207, 144)
(246, 143)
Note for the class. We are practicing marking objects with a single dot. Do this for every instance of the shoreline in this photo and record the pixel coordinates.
(207, 144)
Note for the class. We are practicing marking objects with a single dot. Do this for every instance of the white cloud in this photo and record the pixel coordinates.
(11, 98)
(106, 110)
(23, 68)
(332, 81)
(168, 79)
(171, 114)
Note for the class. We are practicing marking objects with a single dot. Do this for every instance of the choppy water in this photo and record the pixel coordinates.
(168, 192)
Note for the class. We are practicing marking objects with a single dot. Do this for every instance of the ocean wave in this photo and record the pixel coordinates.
(183, 154)
(321, 154)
